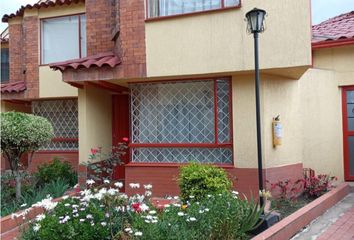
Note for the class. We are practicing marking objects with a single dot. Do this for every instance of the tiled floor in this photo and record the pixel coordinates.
(342, 229)
(335, 224)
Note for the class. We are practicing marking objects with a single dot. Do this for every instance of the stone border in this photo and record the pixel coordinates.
(9, 225)
(289, 226)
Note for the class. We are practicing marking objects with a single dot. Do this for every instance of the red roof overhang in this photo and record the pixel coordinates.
(45, 4)
(99, 60)
(13, 87)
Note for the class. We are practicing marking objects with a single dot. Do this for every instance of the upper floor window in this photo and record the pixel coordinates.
(159, 8)
(63, 38)
(4, 65)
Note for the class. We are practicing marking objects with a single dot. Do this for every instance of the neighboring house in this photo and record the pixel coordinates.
(176, 77)
(35, 39)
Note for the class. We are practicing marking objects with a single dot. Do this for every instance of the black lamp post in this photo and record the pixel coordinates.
(255, 25)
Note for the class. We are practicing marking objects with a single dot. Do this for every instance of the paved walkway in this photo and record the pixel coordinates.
(335, 224)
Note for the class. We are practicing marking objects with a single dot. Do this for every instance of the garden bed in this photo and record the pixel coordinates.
(292, 224)
(10, 226)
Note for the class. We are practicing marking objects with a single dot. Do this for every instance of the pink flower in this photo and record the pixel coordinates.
(136, 207)
(125, 139)
(94, 151)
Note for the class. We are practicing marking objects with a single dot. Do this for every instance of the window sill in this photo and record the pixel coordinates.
(135, 164)
(153, 19)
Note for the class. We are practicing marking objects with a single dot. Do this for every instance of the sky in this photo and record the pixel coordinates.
(321, 9)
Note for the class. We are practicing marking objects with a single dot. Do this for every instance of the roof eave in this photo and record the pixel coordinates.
(333, 43)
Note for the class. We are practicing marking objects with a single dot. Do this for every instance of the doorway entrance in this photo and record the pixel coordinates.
(120, 130)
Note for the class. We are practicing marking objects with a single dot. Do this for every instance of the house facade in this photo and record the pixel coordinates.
(176, 78)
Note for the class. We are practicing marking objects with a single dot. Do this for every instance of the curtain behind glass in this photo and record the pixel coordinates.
(83, 35)
(60, 39)
(173, 7)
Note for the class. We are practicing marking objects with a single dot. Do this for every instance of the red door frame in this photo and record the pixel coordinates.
(346, 134)
(120, 129)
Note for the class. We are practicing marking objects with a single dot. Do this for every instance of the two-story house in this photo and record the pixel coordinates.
(176, 78)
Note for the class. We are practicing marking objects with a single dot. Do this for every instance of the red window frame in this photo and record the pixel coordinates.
(148, 18)
(216, 143)
(346, 134)
(40, 34)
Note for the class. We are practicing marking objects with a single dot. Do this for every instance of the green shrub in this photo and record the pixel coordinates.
(30, 195)
(197, 181)
(56, 170)
(22, 133)
(221, 216)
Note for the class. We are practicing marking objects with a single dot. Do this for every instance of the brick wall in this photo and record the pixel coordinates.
(16, 52)
(103, 20)
(30, 38)
(46, 157)
(131, 41)
(245, 180)
(24, 57)
(98, 26)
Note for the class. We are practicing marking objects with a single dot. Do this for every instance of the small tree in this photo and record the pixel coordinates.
(22, 133)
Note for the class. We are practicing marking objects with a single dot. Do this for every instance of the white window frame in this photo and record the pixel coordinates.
(81, 40)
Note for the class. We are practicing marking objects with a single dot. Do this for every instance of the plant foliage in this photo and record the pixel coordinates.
(57, 169)
(196, 181)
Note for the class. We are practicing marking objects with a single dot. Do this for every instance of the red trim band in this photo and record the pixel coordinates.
(333, 43)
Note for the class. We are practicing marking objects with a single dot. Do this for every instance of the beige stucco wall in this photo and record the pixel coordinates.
(322, 122)
(339, 59)
(51, 84)
(95, 120)
(217, 42)
(310, 113)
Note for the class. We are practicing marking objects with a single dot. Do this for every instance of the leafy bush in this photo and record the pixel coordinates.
(30, 194)
(55, 170)
(197, 181)
(221, 216)
(22, 133)
(316, 186)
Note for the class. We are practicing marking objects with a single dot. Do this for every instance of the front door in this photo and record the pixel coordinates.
(348, 132)
(120, 130)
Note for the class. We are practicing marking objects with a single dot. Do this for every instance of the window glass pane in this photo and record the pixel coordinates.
(224, 115)
(350, 96)
(4, 64)
(63, 114)
(180, 112)
(182, 155)
(351, 155)
(231, 3)
(83, 35)
(173, 7)
(60, 39)
(350, 110)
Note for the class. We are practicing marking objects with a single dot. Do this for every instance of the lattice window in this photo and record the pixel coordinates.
(63, 114)
(182, 155)
(195, 115)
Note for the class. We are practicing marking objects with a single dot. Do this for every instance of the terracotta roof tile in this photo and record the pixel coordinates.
(12, 87)
(41, 4)
(340, 27)
(99, 60)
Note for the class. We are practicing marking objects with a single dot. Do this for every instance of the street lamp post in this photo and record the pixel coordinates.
(255, 25)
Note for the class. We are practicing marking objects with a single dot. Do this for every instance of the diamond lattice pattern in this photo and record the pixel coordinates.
(180, 112)
(182, 155)
(63, 114)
